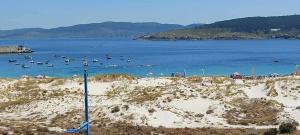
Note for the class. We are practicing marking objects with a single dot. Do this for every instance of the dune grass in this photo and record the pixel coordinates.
(254, 111)
(112, 77)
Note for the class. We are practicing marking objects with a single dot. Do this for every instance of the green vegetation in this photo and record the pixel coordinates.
(287, 128)
(254, 111)
(112, 77)
(279, 27)
(272, 131)
(115, 109)
(141, 95)
(27, 91)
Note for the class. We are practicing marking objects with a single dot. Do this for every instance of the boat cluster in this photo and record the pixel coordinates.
(67, 60)
(31, 61)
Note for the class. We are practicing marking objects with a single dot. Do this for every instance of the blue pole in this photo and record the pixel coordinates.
(85, 125)
(86, 99)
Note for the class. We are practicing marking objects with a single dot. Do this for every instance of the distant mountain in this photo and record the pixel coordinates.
(94, 30)
(276, 27)
(195, 25)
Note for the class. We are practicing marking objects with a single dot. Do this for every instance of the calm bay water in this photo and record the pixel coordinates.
(160, 58)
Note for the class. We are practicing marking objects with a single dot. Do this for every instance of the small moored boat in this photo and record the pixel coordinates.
(24, 66)
(27, 57)
(11, 61)
(50, 65)
(67, 60)
(39, 63)
(95, 60)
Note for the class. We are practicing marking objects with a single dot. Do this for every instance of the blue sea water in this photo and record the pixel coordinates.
(160, 58)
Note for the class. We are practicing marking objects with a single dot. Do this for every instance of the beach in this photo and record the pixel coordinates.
(189, 105)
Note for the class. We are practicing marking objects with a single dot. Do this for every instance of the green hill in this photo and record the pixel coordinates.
(277, 27)
(94, 30)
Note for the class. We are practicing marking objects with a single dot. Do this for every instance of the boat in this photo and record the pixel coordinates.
(46, 62)
(31, 61)
(129, 60)
(63, 57)
(27, 57)
(112, 66)
(67, 60)
(24, 66)
(17, 64)
(149, 73)
(108, 56)
(95, 60)
(39, 63)
(11, 61)
(50, 65)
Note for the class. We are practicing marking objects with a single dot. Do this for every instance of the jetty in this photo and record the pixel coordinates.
(14, 49)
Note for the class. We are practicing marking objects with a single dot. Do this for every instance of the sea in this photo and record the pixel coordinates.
(142, 58)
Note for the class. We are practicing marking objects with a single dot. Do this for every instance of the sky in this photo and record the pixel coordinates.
(54, 13)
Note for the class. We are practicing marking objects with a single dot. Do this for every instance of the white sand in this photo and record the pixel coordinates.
(187, 100)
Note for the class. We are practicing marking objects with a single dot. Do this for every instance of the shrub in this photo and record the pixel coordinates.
(272, 131)
(287, 128)
(43, 129)
(209, 111)
(115, 109)
(113, 77)
(151, 110)
(126, 107)
(195, 79)
(199, 115)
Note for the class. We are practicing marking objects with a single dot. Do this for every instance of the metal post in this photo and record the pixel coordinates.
(86, 98)
(84, 125)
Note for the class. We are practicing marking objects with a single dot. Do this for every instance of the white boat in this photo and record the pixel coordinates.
(67, 60)
(112, 66)
(50, 65)
(39, 63)
(31, 61)
(95, 60)
(27, 57)
(24, 66)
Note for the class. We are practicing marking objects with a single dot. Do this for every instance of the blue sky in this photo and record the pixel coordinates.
(53, 13)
